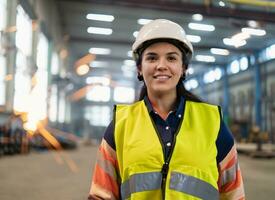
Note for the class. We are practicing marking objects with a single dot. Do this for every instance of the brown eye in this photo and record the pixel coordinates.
(151, 58)
(171, 58)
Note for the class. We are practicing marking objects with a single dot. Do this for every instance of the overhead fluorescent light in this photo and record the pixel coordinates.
(193, 38)
(253, 31)
(143, 21)
(221, 3)
(197, 17)
(129, 62)
(235, 43)
(218, 51)
(240, 36)
(204, 58)
(101, 31)
(253, 23)
(201, 27)
(100, 51)
(135, 34)
(100, 17)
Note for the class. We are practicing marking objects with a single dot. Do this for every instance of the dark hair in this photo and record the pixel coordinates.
(181, 91)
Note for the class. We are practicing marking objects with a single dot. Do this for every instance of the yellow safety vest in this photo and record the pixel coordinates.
(191, 171)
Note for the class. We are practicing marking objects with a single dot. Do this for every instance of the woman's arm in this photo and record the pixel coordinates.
(106, 180)
(230, 181)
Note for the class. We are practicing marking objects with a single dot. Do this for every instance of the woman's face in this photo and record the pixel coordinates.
(161, 68)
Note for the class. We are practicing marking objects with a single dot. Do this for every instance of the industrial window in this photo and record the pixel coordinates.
(23, 42)
(98, 115)
(2, 80)
(37, 103)
(212, 75)
(55, 64)
(61, 107)
(191, 84)
(243, 63)
(99, 93)
(3, 67)
(234, 67)
(23, 38)
(53, 103)
(124, 94)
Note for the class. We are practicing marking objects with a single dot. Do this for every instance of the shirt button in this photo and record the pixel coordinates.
(179, 115)
(167, 127)
(168, 144)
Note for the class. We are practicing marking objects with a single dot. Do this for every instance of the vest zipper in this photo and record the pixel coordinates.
(165, 166)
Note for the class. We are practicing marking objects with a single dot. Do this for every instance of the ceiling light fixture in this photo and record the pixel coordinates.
(218, 51)
(129, 62)
(197, 17)
(235, 43)
(240, 36)
(135, 34)
(100, 17)
(201, 27)
(204, 58)
(143, 21)
(221, 3)
(253, 23)
(253, 31)
(100, 51)
(101, 31)
(193, 38)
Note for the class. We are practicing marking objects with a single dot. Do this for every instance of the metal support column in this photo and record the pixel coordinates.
(225, 96)
(258, 95)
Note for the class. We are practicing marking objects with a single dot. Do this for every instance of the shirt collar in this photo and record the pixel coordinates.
(179, 108)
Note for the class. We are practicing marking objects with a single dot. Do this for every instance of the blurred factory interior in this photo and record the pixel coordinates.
(65, 63)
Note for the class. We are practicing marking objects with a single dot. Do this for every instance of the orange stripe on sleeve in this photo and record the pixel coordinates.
(105, 181)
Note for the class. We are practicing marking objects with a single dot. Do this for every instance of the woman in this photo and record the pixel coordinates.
(169, 145)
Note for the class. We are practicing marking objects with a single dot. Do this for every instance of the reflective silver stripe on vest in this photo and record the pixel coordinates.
(229, 174)
(141, 182)
(193, 186)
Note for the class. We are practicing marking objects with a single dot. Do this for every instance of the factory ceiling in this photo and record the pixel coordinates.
(228, 18)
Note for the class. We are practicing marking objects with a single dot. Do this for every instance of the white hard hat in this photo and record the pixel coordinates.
(162, 29)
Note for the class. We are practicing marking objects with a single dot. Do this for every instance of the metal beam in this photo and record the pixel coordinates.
(186, 7)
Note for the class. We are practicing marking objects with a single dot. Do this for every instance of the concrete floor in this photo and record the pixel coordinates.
(47, 176)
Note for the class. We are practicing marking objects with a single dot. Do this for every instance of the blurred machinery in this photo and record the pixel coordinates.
(14, 139)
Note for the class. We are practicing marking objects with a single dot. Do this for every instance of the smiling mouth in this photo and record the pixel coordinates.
(162, 77)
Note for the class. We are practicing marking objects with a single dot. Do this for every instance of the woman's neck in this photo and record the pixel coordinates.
(163, 104)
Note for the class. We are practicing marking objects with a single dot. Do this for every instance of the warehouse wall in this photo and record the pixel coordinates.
(242, 92)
